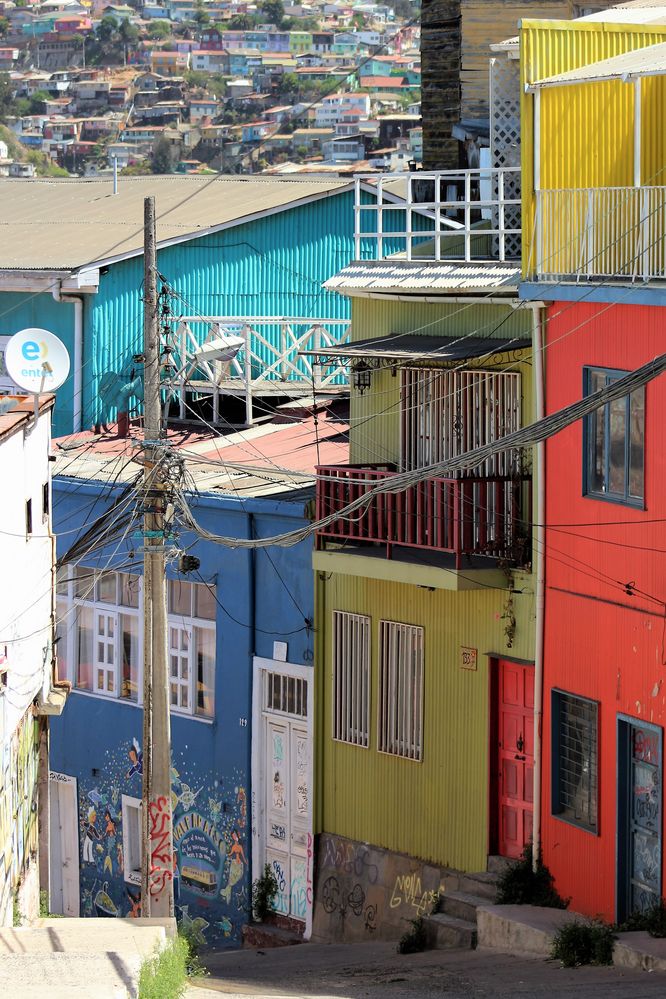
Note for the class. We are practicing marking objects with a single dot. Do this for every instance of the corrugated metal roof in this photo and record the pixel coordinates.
(637, 12)
(418, 347)
(416, 277)
(248, 463)
(647, 61)
(71, 223)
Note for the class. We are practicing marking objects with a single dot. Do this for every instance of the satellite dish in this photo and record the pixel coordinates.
(36, 360)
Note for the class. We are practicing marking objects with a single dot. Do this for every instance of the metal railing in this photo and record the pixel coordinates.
(440, 215)
(488, 516)
(269, 363)
(608, 232)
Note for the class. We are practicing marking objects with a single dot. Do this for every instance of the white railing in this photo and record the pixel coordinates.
(439, 215)
(271, 361)
(608, 232)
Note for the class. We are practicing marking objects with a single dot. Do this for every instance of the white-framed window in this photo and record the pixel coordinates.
(401, 690)
(131, 814)
(351, 678)
(100, 637)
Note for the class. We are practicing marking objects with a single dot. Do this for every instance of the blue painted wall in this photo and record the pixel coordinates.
(211, 790)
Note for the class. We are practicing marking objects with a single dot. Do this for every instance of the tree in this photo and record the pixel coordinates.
(129, 33)
(7, 105)
(163, 157)
(37, 100)
(107, 29)
(4, 27)
(273, 11)
(201, 15)
(240, 22)
(159, 29)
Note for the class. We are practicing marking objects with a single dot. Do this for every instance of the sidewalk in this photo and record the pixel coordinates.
(376, 971)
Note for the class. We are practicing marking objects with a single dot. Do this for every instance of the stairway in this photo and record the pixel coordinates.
(454, 925)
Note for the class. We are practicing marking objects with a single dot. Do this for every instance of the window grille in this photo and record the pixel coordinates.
(448, 412)
(287, 695)
(351, 678)
(401, 690)
(575, 759)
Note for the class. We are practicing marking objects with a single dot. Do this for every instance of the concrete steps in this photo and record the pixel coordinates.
(266, 936)
(71, 958)
(454, 925)
(446, 931)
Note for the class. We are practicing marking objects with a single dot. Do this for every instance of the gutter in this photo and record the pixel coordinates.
(77, 302)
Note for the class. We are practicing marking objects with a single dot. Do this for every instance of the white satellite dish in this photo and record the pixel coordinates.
(36, 360)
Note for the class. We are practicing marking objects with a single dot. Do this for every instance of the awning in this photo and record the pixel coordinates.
(630, 66)
(401, 347)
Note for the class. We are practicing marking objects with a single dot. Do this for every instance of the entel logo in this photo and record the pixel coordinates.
(33, 351)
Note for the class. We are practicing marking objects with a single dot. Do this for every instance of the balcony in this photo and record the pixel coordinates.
(587, 234)
(467, 518)
(464, 215)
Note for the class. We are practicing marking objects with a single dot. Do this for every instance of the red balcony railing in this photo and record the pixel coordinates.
(480, 515)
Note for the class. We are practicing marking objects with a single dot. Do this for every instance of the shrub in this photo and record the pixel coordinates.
(653, 920)
(579, 943)
(520, 885)
(164, 976)
(264, 893)
(414, 940)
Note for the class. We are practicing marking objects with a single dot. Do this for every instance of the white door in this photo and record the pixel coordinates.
(285, 762)
(64, 846)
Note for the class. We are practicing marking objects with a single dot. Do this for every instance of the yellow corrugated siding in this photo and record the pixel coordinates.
(586, 131)
(375, 414)
(436, 809)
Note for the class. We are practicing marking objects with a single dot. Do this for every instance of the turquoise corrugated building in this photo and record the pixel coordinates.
(71, 262)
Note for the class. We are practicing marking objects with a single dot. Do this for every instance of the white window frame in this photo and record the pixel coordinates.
(131, 874)
(400, 708)
(351, 678)
(105, 642)
(68, 610)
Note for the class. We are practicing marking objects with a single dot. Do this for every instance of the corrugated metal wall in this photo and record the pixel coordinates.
(586, 130)
(375, 415)
(436, 809)
(274, 266)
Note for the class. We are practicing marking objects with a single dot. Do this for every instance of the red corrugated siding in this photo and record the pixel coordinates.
(599, 642)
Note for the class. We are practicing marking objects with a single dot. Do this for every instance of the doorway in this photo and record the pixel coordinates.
(639, 816)
(513, 763)
(64, 845)
(282, 784)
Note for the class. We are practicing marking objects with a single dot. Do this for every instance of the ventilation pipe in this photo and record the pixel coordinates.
(77, 363)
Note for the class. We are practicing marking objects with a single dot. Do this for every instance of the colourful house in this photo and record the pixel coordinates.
(593, 253)
(168, 63)
(424, 585)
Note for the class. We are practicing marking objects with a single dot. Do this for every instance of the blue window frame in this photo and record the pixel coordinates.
(613, 443)
(575, 759)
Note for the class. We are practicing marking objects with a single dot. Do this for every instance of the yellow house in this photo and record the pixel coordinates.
(168, 63)
(425, 595)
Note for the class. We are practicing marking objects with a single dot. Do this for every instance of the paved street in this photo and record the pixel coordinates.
(376, 970)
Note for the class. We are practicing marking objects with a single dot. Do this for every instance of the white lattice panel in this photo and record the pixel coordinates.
(505, 135)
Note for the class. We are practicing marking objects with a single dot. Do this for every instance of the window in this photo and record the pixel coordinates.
(575, 755)
(46, 504)
(401, 690)
(100, 638)
(28, 517)
(131, 813)
(286, 694)
(613, 442)
(351, 678)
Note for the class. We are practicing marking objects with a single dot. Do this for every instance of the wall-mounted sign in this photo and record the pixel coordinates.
(36, 360)
(468, 657)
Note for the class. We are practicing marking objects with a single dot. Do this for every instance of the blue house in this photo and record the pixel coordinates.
(240, 665)
(71, 261)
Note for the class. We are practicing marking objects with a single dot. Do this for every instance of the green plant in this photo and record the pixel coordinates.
(579, 943)
(264, 893)
(164, 976)
(520, 885)
(652, 920)
(16, 912)
(44, 907)
(414, 940)
(193, 965)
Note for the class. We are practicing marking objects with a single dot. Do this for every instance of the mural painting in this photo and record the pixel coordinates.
(210, 863)
(18, 794)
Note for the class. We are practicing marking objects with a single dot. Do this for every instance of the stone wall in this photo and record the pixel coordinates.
(365, 893)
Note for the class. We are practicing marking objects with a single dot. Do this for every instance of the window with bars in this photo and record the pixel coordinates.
(351, 678)
(100, 637)
(401, 690)
(288, 695)
(448, 412)
(575, 759)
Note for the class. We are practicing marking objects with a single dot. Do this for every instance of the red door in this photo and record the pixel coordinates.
(516, 756)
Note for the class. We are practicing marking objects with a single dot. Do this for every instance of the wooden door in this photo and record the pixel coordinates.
(516, 756)
(63, 846)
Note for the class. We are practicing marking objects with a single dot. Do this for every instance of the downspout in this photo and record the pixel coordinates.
(540, 542)
(77, 302)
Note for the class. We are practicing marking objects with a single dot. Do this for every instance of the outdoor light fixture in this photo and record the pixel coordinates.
(362, 377)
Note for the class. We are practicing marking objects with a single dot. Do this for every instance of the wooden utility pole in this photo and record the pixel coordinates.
(157, 827)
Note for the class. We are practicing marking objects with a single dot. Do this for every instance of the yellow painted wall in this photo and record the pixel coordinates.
(436, 809)
(586, 130)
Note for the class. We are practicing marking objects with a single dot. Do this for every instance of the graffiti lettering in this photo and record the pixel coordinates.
(309, 870)
(278, 832)
(161, 854)
(407, 890)
(350, 859)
